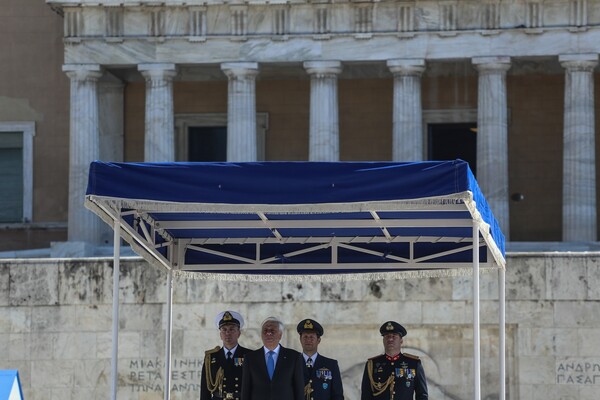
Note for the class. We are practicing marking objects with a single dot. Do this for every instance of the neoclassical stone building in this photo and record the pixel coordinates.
(511, 86)
(346, 80)
(507, 85)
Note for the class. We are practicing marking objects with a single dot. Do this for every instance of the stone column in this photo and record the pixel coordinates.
(407, 143)
(492, 136)
(84, 147)
(111, 112)
(324, 135)
(159, 140)
(579, 158)
(241, 111)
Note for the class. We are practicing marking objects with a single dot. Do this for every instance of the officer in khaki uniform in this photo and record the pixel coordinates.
(394, 375)
(222, 369)
(322, 378)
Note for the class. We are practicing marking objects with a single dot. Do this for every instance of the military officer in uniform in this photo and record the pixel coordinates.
(322, 378)
(222, 369)
(394, 375)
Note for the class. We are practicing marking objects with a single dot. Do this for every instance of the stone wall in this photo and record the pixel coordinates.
(55, 326)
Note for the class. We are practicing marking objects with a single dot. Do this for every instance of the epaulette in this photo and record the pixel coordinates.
(207, 352)
(411, 356)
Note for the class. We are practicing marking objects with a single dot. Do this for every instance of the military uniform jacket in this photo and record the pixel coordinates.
(227, 384)
(400, 379)
(323, 381)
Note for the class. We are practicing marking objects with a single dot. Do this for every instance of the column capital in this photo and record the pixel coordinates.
(491, 64)
(82, 72)
(238, 70)
(158, 70)
(579, 62)
(407, 66)
(323, 68)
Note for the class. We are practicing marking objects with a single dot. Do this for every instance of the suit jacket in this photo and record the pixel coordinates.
(323, 381)
(232, 379)
(288, 378)
(406, 373)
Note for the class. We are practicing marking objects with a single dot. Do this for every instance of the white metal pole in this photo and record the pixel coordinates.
(502, 308)
(115, 318)
(476, 349)
(168, 329)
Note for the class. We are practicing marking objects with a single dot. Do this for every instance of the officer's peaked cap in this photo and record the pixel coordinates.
(392, 327)
(310, 325)
(229, 318)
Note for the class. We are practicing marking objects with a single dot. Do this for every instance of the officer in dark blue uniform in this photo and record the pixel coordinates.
(394, 375)
(222, 368)
(322, 377)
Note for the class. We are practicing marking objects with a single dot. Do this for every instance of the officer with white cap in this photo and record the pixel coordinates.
(222, 369)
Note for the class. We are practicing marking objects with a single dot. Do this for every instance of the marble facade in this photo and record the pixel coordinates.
(55, 317)
(326, 36)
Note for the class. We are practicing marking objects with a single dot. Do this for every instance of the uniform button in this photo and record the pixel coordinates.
(236, 385)
(236, 378)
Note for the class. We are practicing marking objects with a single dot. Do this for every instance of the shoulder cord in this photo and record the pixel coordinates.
(217, 382)
(379, 387)
(308, 391)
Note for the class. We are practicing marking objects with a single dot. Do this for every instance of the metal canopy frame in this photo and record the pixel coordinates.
(172, 242)
(335, 238)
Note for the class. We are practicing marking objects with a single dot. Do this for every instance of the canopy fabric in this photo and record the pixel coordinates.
(299, 218)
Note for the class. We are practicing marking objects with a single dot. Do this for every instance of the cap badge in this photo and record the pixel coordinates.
(308, 324)
(227, 316)
(389, 327)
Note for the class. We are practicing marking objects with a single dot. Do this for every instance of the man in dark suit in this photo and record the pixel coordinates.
(322, 378)
(272, 372)
(394, 375)
(222, 369)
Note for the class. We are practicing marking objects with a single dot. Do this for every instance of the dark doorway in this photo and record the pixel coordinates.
(207, 143)
(451, 141)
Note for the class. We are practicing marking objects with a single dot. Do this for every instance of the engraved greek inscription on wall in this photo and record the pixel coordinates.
(146, 375)
(584, 371)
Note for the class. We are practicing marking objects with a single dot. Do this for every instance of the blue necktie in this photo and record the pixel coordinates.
(270, 364)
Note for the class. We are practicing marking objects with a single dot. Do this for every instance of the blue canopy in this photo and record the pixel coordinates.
(285, 218)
